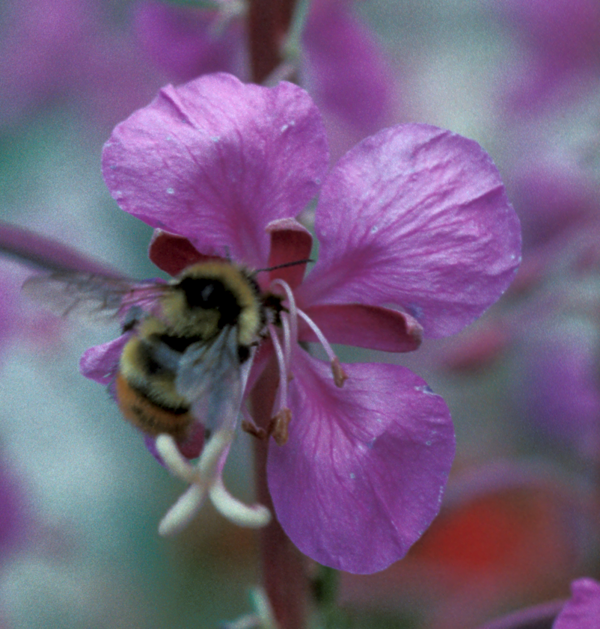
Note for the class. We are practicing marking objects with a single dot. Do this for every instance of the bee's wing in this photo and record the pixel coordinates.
(89, 295)
(210, 376)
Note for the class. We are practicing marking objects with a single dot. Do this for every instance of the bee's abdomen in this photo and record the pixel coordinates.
(149, 416)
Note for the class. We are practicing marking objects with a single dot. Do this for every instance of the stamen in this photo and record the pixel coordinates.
(293, 310)
(339, 376)
(279, 426)
(250, 427)
(282, 390)
(287, 339)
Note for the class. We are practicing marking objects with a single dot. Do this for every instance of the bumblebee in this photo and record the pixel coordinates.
(189, 339)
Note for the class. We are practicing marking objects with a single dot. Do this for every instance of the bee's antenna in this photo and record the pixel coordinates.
(284, 265)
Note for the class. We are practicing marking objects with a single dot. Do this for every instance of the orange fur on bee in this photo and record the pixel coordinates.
(149, 417)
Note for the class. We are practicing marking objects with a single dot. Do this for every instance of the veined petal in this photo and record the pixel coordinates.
(418, 217)
(372, 327)
(215, 160)
(363, 472)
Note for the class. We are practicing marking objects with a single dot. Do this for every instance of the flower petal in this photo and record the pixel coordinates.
(173, 254)
(215, 160)
(582, 611)
(372, 327)
(346, 70)
(101, 362)
(186, 42)
(372, 456)
(415, 216)
(48, 254)
(290, 242)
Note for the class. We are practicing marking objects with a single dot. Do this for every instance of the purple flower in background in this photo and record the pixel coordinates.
(582, 611)
(52, 49)
(562, 38)
(343, 67)
(560, 385)
(186, 42)
(416, 237)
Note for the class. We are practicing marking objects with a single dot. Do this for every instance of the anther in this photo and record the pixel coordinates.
(252, 429)
(278, 427)
(339, 375)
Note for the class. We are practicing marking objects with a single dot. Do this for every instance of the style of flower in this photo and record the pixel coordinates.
(416, 238)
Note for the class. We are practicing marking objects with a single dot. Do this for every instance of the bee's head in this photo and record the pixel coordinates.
(207, 293)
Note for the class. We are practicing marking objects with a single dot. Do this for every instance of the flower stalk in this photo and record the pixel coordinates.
(268, 25)
(284, 567)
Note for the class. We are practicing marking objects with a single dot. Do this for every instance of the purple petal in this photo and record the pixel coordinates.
(358, 325)
(552, 199)
(418, 217)
(537, 617)
(215, 160)
(364, 469)
(560, 385)
(101, 362)
(187, 42)
(290, 242)
(563, 38)
(46, 253)
(565, 32)
(346, 71)
(582, 611)
(172, 254)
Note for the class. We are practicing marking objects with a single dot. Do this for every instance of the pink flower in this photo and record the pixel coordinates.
(416, 237)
